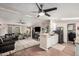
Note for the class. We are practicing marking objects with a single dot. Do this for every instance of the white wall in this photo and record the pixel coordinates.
(3, 29)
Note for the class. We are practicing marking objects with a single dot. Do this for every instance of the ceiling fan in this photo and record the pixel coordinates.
(42, 11)
(21, 22)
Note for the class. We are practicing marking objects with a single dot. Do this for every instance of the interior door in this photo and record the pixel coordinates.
(71, 29)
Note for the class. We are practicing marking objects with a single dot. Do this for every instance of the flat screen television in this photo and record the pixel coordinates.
(37, 29)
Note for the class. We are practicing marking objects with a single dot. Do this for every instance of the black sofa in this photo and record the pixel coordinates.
(7, 42)
(71, 36)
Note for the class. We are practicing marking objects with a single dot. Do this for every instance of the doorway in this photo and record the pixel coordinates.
(36, 32)
(71, 32)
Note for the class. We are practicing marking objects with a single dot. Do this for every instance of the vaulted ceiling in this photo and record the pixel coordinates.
(25, 11)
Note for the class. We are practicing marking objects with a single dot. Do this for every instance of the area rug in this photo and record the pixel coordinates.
(22, 44)
(59, 47)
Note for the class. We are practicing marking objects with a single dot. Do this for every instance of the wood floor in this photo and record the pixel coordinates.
(69, 50)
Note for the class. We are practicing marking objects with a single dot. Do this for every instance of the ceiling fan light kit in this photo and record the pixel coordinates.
(41, 14)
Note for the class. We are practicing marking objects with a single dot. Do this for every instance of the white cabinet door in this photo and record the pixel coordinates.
(77, 50)
(49, 42)
(53, 41)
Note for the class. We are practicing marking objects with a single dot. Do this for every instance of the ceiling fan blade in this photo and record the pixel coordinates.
(41, 5)
(47, 14)
(38, 7)
(51, 9)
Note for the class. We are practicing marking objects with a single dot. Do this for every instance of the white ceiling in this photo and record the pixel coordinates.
(14, 11)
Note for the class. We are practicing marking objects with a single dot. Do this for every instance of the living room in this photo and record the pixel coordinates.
(23, 28)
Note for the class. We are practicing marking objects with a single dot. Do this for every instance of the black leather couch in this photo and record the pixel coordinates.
(7, 42)
(71, 36)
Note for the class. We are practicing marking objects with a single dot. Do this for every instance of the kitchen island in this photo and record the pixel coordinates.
(77, 46)
(48, 40)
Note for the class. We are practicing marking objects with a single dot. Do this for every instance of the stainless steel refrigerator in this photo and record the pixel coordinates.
(59, 31)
